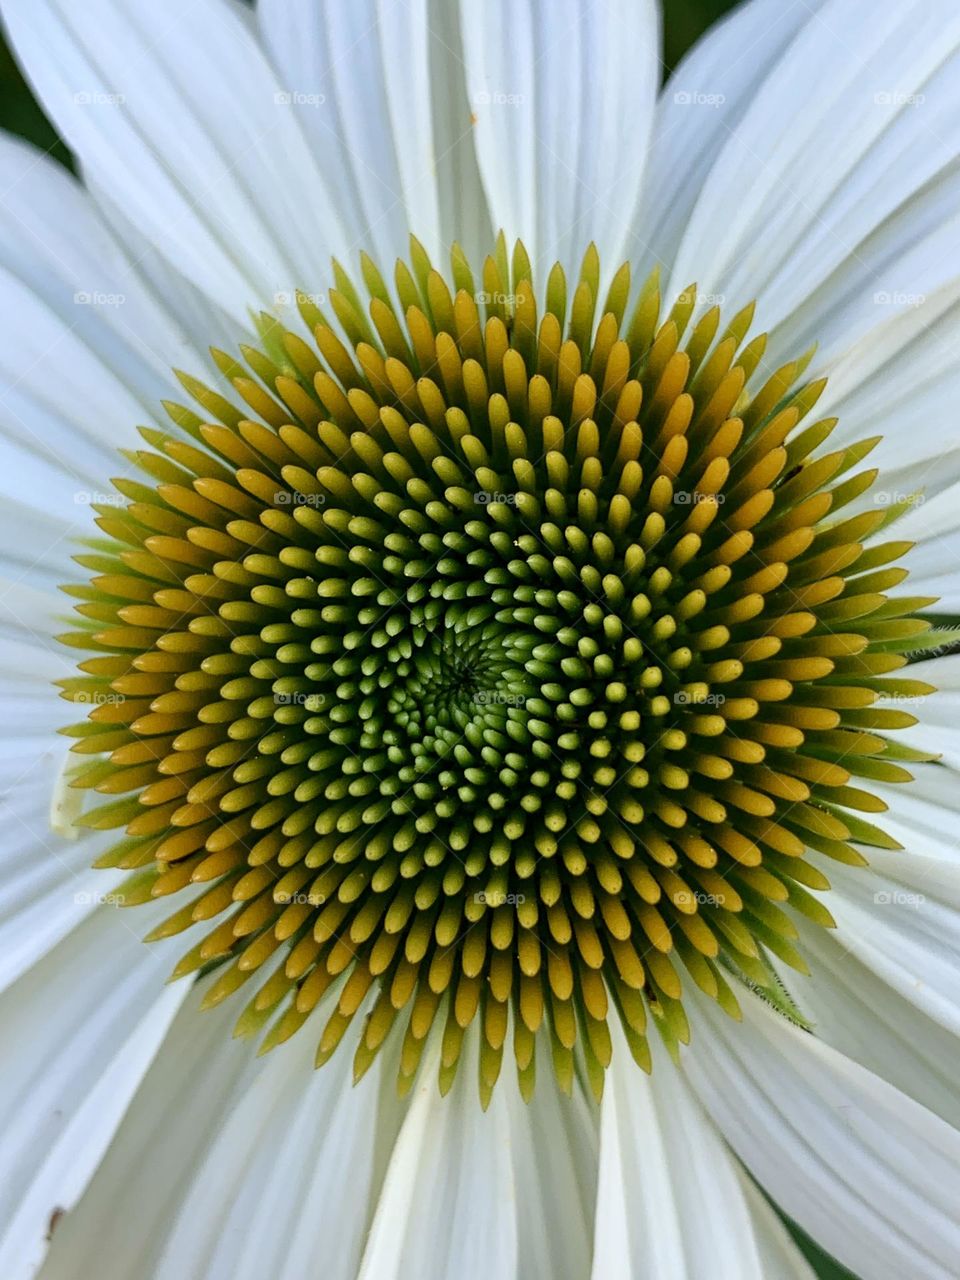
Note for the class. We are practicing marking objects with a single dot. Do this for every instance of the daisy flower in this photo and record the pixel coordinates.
(462, 494)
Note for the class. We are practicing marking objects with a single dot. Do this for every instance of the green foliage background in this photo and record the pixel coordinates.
(684, 22)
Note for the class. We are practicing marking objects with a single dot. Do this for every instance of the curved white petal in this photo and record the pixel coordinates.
(448, 1203)
(938, 714)
(898, 380)
(176, 113)
(85, 357)
(80, 1029)
(802, 195)
(870, 1174)
(779, 1256)
(857, 1011)
(562, 144)
(699, 110)
(933, 525)
(840, 219)
(901, 918)
(358, 76)
(921, 816)
(229, 1166)
(47, 884)
(671, 1202)
(507, 1193)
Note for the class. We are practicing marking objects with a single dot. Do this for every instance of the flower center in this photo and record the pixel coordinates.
(493, 670)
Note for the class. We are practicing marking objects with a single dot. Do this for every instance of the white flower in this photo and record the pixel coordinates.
(806, 156)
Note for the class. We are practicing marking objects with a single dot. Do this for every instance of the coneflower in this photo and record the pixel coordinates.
(503, 660)
(497, 688)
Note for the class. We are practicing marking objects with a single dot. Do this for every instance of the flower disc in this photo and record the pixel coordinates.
(494, 669)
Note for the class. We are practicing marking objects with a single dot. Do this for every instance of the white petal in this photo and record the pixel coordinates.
(901, 918)
(870, 1174)
(176, 113)
(85, 357)
(448, 1205)
(700, 108)
(287, 1142)
(464, 213)
(358, 77)
(508, 1193)
(800, 195)
(861, 1014)
(562, 148)
(555, 1149)
(846, 237)
(81, 1029)
(229, 1167)
(938, 714)
(933, 525)
(899, 380)
(922, 815)
(670, 1201)
(779, 1256)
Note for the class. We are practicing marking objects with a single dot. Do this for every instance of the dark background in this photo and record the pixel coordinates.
(684, 22)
